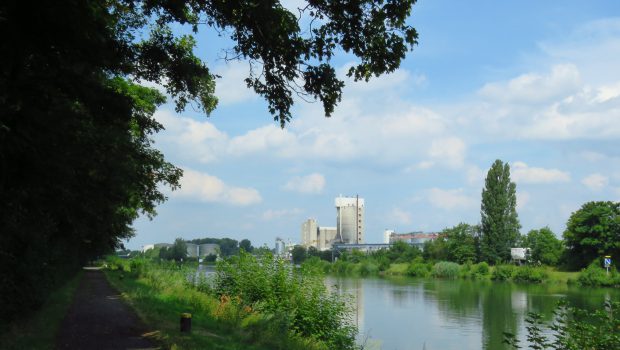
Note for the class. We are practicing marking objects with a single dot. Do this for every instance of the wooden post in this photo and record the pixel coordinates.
(186, 322)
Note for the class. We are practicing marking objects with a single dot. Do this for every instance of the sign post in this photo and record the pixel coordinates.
(607, 263)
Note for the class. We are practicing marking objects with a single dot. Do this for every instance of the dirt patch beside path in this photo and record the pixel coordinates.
(99, 319)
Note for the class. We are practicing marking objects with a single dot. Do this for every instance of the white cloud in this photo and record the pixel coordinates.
(535, 88)
(400, 216)
(191, 139)
(595, 182)
(310, 184)
(207, 188)
(263, 139)
(272, 214)
(231, 88)
(522, 199)
(522, 173)
(475, 176)
(449, 151)
(450, 199)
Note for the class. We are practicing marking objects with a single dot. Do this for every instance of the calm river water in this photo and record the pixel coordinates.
(415, 314)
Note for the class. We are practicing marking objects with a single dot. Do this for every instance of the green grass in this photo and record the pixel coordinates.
(399, 269)
(214, 327)
(38, 330)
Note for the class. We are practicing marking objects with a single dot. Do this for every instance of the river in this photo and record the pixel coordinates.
(430, 314)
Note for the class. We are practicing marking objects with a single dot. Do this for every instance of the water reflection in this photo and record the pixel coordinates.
(401, 314)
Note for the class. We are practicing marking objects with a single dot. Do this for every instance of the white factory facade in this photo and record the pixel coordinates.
(349, 227)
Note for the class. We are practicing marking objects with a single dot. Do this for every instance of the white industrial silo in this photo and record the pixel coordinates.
(350, 220)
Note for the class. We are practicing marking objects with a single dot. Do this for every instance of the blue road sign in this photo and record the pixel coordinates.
(607, 262)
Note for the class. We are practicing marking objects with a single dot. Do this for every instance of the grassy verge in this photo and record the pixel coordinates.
(38, 331)
(161, 308)
(160, 296)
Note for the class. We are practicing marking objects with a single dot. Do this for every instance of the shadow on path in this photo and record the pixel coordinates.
(99, 319)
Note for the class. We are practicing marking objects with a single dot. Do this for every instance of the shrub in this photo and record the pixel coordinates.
(530, 274)
(296, 298)
(367, 267)
(419, 269)
(503, 272)
(482, 269)
(397, 269)
(446, 269)
(594, 275)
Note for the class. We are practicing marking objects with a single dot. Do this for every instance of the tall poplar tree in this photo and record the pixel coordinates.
(500, 223)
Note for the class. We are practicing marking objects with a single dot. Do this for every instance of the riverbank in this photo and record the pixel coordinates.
(260, 304)
(591, 276)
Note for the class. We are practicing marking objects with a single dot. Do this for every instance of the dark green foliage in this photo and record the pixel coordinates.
(299, 254)
(499, 223)
(592, 232)
(75, 148)
(503, 272)
(545, 247)
(401, 252)
(435, 250)
(573, 329)
(246, 245)
(178, 251)
(419, 268)
(530, 274)
(460, 243)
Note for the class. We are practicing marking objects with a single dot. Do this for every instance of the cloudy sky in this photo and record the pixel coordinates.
(533, 83)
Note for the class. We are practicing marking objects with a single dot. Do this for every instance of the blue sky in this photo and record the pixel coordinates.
(533, 83)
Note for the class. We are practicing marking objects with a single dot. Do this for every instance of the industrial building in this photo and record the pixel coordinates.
(207, 249)
(350, 220)
(192, 250)
(349, 227)
(416, 239)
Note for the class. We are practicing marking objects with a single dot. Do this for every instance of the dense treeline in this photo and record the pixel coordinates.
(592, 232)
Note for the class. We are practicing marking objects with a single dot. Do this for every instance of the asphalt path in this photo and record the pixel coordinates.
(99, 319)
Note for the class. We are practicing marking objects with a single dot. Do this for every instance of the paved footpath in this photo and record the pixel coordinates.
(99, 319)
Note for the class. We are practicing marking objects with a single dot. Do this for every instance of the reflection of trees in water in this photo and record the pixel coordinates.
(352, 288)
(497, 307)
(502, 307)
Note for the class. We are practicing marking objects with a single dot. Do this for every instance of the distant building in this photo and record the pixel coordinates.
(326, 237)
(207, 249)
(413, 238)
(192, 250)
(309, 233)
(154, 246)
(350, 220)
(349, 226)
(280, 247)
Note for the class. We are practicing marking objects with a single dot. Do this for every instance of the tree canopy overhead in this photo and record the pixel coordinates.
(286, 59)
(76, 153)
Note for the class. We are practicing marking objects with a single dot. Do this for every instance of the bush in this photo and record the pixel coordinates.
(530, 274)
(503, 272)
(367, 268)
(297, 299)
(446, 269)
(482, 269)
(419, 269)
(594, 275)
